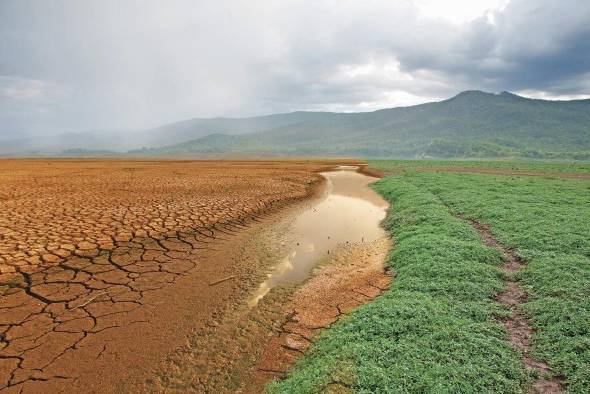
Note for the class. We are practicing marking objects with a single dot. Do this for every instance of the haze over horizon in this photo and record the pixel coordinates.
(81, 65)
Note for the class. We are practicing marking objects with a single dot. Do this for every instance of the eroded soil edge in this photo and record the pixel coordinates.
(105, 266)
(247, 347)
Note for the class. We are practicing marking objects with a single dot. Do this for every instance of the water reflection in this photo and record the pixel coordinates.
(349, 211)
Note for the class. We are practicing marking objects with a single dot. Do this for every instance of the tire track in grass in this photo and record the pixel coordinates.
(544, 222)
(516, 324)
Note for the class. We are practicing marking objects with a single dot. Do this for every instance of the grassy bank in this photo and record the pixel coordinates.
(557, 167)
(546, 221)
(433, 330)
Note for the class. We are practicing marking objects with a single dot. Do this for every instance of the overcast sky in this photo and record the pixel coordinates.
(114, 64)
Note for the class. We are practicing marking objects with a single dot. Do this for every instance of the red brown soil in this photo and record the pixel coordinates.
(516, 324)
(105, 266)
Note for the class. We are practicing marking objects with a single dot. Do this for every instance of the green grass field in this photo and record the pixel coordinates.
(434, 329)
(397, 166)
(546, 221)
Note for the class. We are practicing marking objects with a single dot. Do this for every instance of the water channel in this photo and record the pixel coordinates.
(348, 211)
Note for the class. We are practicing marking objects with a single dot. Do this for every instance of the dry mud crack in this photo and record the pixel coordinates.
(101, 260)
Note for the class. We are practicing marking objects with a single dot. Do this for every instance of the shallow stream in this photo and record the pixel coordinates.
(348, 211)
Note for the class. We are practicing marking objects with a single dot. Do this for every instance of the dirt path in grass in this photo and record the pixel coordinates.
(519, 330)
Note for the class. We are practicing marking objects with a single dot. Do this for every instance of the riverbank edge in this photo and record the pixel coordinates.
(434, 328)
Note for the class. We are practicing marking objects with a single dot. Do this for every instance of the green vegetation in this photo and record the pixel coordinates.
(471, 124)
(433, 330)
(526, 166)
(546, 221)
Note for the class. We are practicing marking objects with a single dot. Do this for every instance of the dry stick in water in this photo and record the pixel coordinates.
(221, 280)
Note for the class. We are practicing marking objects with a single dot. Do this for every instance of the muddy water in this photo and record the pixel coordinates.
(347, 212)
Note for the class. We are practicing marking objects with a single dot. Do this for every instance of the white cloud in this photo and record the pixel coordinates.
(16, 88)
(111, 64)
(460, 11)
(537, 94)
(27, 91)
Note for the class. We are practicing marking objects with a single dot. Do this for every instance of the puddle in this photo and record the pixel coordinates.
(349, 211)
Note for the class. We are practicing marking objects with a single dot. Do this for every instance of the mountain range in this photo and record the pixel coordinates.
(470, 124)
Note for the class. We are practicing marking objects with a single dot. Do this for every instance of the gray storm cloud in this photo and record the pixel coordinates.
(80, 65)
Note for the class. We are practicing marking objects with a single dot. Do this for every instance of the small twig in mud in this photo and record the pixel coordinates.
(89, 300)
(221, 280)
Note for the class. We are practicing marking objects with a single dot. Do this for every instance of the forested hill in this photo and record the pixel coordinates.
(471, 124)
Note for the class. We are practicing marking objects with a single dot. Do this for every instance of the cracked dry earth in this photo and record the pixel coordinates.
(106, 265)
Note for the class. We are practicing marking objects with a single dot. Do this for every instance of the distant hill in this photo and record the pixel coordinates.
(471, 124)
(54, 145)
(123, 140)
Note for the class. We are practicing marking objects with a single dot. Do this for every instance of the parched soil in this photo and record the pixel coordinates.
(105, 266)
(516, 324)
